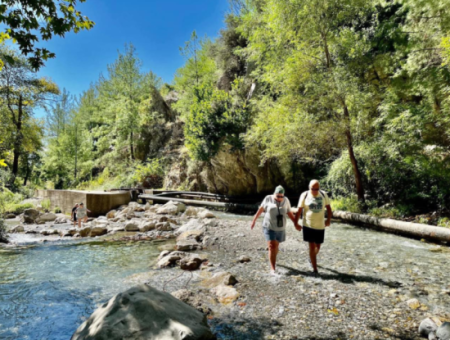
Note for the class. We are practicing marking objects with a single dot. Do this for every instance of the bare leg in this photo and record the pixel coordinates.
(79, 223)
(313, 255)
(273, 251)
(85, 220)
(317, 248)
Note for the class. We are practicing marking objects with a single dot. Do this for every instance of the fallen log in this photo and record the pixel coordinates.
(414, 230)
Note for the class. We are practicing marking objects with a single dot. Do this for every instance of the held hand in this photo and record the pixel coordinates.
(298, 227)
(327, 223)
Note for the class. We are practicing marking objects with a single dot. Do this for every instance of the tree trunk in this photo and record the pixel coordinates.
(27, 174)
(356, 172)
(131, 146)
(18, 140)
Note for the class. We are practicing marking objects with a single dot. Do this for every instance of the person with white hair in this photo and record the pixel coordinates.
(276, 208)
(312, 204)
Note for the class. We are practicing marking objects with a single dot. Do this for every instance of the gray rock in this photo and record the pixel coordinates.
(443, 332)
(190, 212)
(171, 208)
(244, 259)
(221, 278)
(132, 226)
(164, 226)
(432, 336)
(190, 263)
(186, 245)
(10, 216)
(17, 229)
(196, 235)
(193, 224)
(47, 217)
(147, 226)
(98, 231)
(427, 326)
(206, 214)
(144, 313)
(49, 232)
(84, 232)
(30, 215)
(68, 233)
(61, 220)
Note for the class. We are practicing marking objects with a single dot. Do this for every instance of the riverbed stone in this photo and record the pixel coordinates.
(144, 313)
(443, 332)
(132, 226)
(221, 278)
(187, 245)
(413, 303)
(164, 226)
(47, 217)
(46, 232)
(171, 208)
(85, 231)
(244, 259)
(61, 220)
(205, 213)
(191, 235)
(147, 226)
(225, 294)
(193, 224)
(111, 214)
(191, 263)
(30, 215)
(17, 229)
(427, 326)
(98, 231)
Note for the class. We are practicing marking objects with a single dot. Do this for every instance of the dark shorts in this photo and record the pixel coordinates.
(75, 217)
(272, 235)
(313, 235)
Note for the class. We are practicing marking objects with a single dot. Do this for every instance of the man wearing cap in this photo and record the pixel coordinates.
(276, 208)
(313, 204)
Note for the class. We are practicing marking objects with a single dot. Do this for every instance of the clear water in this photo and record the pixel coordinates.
(47, 290)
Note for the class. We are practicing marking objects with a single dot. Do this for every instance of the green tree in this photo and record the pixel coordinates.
(28, 22)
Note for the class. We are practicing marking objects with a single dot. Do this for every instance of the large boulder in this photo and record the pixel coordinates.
(9, 216)
(205, 213)
(427, 326)
(47, 217)
(147, 226)
(187, 245)
(30, 215)
(171, 208)
(144, 313)
(17, 229)
(443, 332)
(191, 263)
(111, 214)
(61, 220)
(68, 233)
(85, 231)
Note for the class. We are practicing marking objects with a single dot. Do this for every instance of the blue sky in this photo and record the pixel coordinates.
(157, 28)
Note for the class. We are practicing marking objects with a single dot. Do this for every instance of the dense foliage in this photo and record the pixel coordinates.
(354, 92)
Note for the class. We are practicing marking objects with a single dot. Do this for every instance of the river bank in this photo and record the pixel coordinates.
(372, 286)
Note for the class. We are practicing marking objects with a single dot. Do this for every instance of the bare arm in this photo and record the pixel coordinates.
(258, 213)
(297, 215)
(329, 215)
(294, 219)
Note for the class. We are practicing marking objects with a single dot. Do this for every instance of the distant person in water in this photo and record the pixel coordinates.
(82, 214)
(74, 214)
(313, 204)
(276, 208)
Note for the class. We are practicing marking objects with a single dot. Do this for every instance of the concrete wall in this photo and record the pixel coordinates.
(99, 203)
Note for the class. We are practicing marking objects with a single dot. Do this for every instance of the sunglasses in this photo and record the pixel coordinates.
(315, 189)
(280, 196)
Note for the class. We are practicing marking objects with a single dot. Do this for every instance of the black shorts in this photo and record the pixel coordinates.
(74, 217)
(313, 235)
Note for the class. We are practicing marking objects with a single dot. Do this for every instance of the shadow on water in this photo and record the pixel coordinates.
(342, 277)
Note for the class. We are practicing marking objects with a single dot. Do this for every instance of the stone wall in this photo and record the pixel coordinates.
(99, 203)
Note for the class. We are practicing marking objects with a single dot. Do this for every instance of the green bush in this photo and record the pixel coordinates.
(17, 208)
(46, 204)
(444, 222)
(3, 235)
(350, 204)
(57, 210)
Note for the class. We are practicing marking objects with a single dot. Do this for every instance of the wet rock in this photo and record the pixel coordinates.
(164, 226)
(143, 312)
(225, 294)
(443, 332)
(98, 231)
(17, 229)
(206, 214)
(190, 263)
(85, 231)
(30, 215)
(146, 226)
(244, 259)
(191, 235)
(221, 278)
(132, 226)
(47, 232)
(193, 224)
(171, 208)
(186, 245)
(47, 217)
(68, 233)
(111, 214)
(427, 326)
(61, 220)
